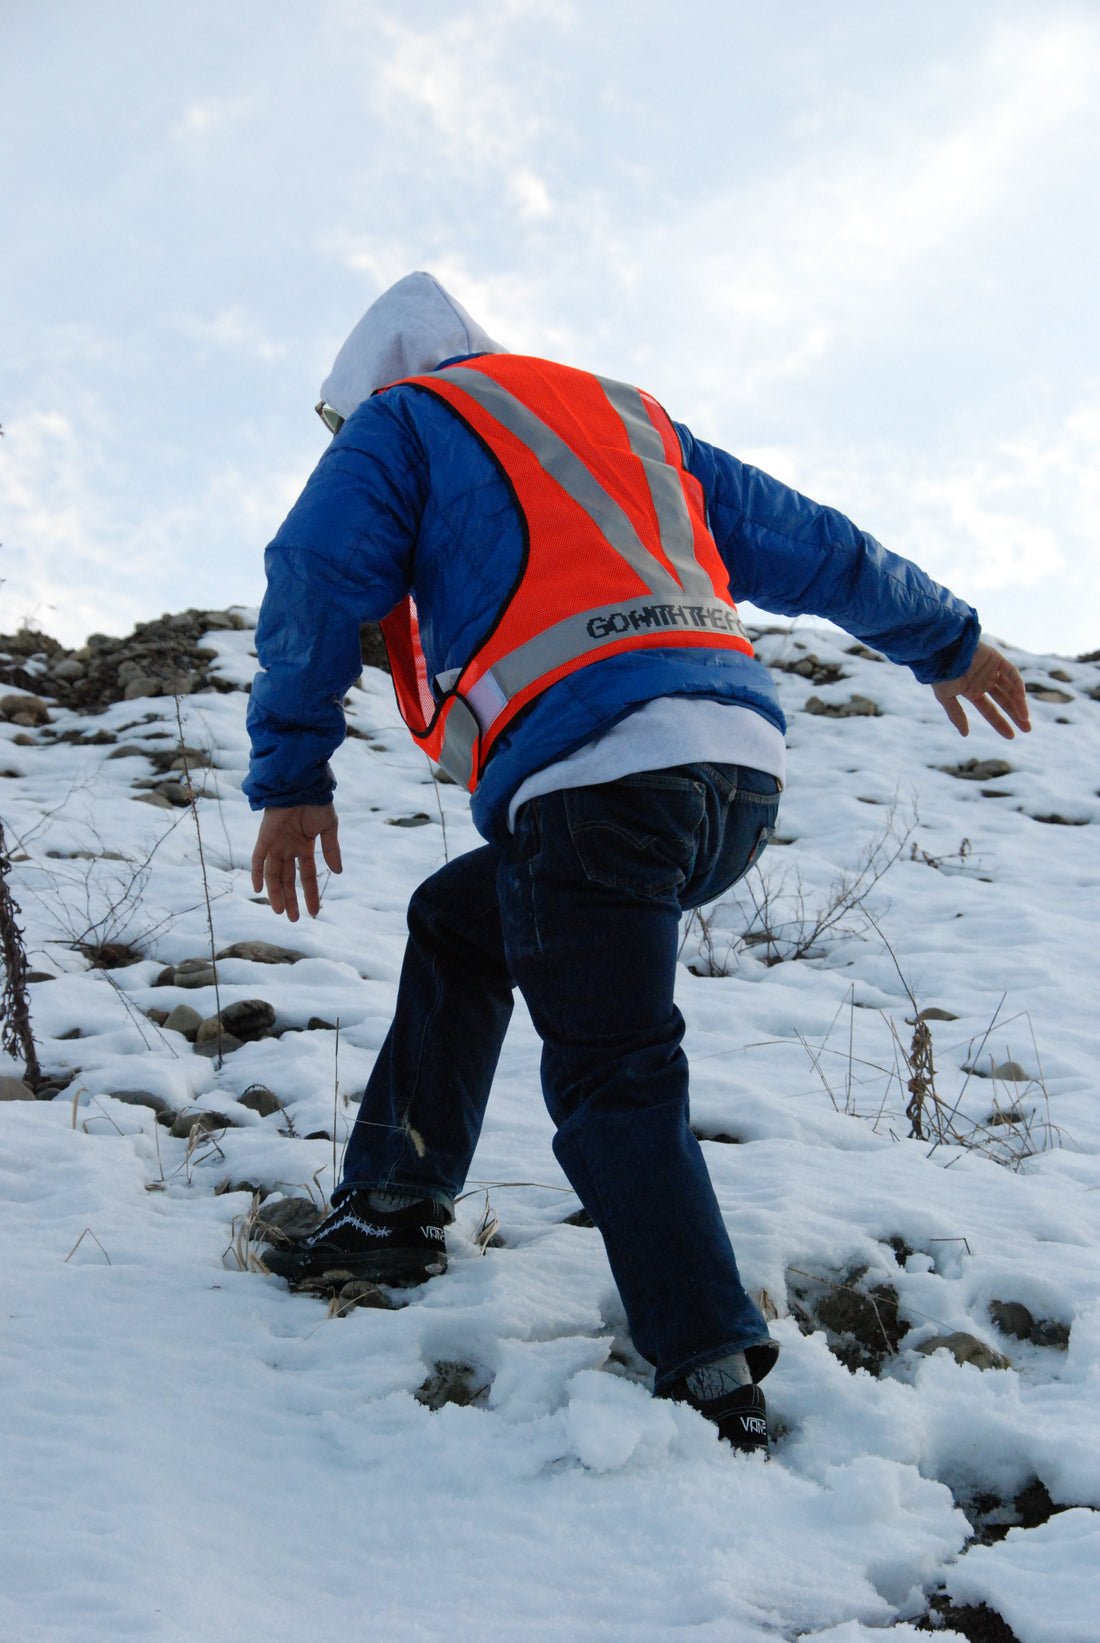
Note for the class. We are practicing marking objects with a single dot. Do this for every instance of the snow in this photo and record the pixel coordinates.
(1043, 1580)
(193, 1452)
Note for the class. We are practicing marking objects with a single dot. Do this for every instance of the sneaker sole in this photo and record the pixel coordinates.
(400, 1268)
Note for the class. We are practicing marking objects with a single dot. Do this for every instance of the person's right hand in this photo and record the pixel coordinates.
(285, 844)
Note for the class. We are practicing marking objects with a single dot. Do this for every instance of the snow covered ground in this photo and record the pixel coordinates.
(192, 1452)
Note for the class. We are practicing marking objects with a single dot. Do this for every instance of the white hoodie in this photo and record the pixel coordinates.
(409, 329)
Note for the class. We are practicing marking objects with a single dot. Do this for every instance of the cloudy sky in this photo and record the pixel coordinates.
(855, 243)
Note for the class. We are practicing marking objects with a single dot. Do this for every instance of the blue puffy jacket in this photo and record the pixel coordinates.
(405, 498)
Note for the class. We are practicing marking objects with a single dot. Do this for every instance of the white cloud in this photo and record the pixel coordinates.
(233, 329)
(530, 194)
(843, 242)
(83, 553)
(1010, 524)
(457, 74)
(203, 120)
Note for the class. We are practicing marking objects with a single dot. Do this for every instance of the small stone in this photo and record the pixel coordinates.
(1010, 1072)
(451, 1382)
(1046, 693)
(69, 668)
(262, 952)
(14, 1089)
(191, 758)
(186, 1122)
(194, 972)
(965, 1349)
(31, 711)
(213, 1046)
(318, 1024)
(183, 1019)
(258, 1098)
(175, 792)
(934, 1013)
(157, 1017)
(112, 955)
(360, 1292)
(40, 975)
(52, 1085)
(143, 685)
(1058, 820)
(856, 707)
(288, 1218)
(141, 1098)
(1050, 1332)
(978, 770)
(179, 684)
(157, 800)
(1012, 1318)
(129, 750)
(417, 820)
(229, 1185)
(249, 1019)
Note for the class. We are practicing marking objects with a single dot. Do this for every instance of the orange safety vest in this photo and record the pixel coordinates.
(617, 552)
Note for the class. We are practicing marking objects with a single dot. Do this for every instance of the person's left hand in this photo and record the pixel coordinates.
(990, 682)
(286, 842)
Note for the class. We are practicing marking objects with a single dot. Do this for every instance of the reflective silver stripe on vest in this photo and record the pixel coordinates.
(459, 740)
(588, 631)
(669, 502)
(555, 458)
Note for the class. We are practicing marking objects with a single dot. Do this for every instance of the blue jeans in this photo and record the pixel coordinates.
(581, 911)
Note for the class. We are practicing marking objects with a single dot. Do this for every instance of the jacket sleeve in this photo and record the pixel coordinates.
(343, 556)
(797, 558)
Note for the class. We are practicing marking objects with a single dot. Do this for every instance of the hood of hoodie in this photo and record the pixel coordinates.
(409, 329)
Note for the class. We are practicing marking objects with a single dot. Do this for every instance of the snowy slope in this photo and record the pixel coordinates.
(192, 1452)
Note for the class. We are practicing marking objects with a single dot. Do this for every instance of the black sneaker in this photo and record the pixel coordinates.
(398, 1247)
(739, 1411)
(741, 1416)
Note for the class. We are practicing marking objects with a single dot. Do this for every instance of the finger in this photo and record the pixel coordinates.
(1013, 698)
(273, 886)
(308, 869)
(259, 856)
(280, 887)
(290, 890)
(330, 849)
(992, 717)
(956, 713)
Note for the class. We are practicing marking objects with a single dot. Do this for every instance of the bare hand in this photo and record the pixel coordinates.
(286, 841)
(991, 682)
